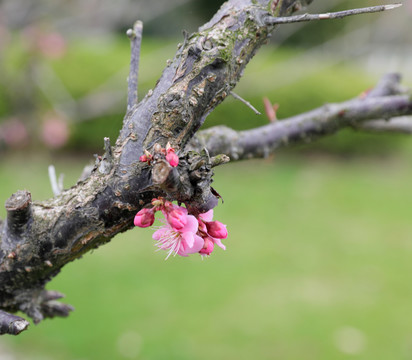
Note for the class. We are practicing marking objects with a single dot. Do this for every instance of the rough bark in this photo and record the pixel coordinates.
(40, 237)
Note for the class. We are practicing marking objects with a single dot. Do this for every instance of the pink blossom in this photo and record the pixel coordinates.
(172, 158)
(52, 45)
(207, 216)
(55, 131)
(207, 247)
(214, 230)
(180, 242)
(14, 133)
(177, 217)
(182, 234)
(144, 218)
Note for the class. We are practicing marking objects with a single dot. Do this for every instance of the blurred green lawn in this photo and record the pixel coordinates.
(317, 266)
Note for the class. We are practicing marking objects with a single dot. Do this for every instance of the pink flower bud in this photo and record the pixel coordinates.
(216, 229)
(207, 247)
(172, 158)
(144, 218)
(143, 158)
(177, 218)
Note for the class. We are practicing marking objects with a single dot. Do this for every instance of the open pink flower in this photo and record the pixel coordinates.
(179, 242)
(182, 234)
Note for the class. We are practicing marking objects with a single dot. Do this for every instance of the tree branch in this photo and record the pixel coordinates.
(326, 120)
(247, 103)
(11, 324)
(57, 186)
(39, 238)
(327, 16)
(135, 36)
(399, 125)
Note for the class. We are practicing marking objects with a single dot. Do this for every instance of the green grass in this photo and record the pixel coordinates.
(317, 263)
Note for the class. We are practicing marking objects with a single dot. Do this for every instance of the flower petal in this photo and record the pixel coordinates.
(198, 244)
(188, 238)
(184, 250)
(191, 225)
(207, 216)
(159, 233)
(219, 243)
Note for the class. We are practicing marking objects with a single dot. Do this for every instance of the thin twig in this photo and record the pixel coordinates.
(135, 36)
(333, 15)
(57, 187)
(185, 39)
(247, 103)
(107, 148)
(60, 182)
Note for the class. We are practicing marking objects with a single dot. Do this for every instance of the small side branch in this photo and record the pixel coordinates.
(389, 84)
(107, 161)
(333, 15)
(247, 103)
(12, 324)
(57, 186)
(135, 36)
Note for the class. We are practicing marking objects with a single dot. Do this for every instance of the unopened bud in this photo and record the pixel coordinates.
(172, 159)
(144, 218)
(216, 229)
(177, 218)
(207, 247)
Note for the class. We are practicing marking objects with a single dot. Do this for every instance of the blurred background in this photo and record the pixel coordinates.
(317, 264)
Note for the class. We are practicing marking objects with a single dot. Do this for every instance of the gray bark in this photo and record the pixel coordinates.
(386, 101)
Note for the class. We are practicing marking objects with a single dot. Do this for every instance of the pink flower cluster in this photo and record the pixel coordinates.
(182, 234)
(168, 152)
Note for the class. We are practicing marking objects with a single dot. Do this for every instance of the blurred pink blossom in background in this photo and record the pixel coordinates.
(55, 131)
(14, 133)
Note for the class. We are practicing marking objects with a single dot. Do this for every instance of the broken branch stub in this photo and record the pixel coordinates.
(18, 208)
